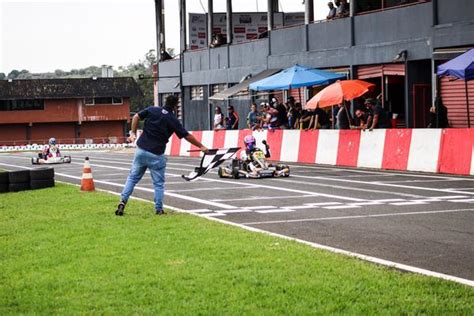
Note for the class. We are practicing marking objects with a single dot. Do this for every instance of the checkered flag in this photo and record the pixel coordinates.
(212, 159)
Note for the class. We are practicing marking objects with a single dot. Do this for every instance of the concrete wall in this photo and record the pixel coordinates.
(455, 11)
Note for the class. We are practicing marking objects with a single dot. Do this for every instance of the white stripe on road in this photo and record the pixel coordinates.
(355, 217)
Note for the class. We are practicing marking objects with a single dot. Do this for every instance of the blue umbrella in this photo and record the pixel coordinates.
(296, 77)
(461, 67)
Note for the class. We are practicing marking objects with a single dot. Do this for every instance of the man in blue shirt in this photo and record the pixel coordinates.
(160, 124)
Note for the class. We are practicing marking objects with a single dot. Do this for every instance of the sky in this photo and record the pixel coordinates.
(42, 36)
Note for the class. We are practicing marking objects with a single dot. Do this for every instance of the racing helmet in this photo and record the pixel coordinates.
(52, 141)
(249, 142)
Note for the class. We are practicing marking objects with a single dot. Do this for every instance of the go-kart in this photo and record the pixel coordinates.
(239, 168)
(52, 158)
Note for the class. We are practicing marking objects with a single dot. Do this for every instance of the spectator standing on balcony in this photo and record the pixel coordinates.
(438, 115)
(160, 124)
(282, 115)
(380, 117)
(233, 122)
(253, 118)
(332, 11)
(342, 117)
(294, 115)
(363, 118)
(269, 120)
(321, 118)
(342, 10)
(218, 118)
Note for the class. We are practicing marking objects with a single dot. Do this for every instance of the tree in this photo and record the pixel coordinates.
(2, 76)
(13, 74)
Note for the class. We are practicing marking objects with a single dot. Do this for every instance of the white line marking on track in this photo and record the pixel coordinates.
(204, 210)
(240, 210)
(276, 210)
(260, 207)
(462, 201)
(266, 198)
(384, 184)
(326, 185)
(408, 203)
(367, 171)
(355, 217)
(209, 189)
(301, 207)
(340, 207)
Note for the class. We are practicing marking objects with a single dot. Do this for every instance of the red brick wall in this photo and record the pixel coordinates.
(110, 112)
(10, 133)
(60, 110)
(101, 131)
(63, 132)
(67, 110)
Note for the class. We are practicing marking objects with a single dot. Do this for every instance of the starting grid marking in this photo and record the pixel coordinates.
(269, 209)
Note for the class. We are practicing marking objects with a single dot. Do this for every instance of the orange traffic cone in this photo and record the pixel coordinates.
(87, 182)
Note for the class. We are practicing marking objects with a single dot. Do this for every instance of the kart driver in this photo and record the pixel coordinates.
(51, 150)
(247, 156)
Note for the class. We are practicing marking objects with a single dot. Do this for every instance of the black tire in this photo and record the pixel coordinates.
(235, 173)
(3, 177)
(22, 176)
(67, 159)
(16, 187)
(41, 184)
(42, 174)
(220, 172)
(3, 187)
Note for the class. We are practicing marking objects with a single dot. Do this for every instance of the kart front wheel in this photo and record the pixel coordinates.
(220, 172)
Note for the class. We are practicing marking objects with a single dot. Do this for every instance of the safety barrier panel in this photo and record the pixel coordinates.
(36, 147)
(426, 150)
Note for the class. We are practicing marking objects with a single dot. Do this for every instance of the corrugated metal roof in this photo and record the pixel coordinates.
(68, 88)
(243, 86)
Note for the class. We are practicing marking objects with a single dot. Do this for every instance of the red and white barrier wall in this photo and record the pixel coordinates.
(427, 150)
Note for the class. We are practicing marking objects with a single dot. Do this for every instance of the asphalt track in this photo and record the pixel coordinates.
(424, 221)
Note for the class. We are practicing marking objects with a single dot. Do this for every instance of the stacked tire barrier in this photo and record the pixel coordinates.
(15, 181)
(426, 150)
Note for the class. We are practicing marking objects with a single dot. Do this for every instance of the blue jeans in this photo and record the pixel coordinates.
(142, 161)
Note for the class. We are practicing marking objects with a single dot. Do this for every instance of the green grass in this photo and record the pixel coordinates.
(64, 252)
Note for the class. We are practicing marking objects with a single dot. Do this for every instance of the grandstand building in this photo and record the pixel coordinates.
(395, 44)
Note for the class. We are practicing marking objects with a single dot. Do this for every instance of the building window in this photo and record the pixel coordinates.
(371, 5)
(218, 88)
(197, 93)
(21, 105)
(117, 100)
(89, 101)
(103, 100)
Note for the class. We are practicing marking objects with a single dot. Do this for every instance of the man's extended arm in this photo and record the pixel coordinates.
(133, 133)
(190, 138)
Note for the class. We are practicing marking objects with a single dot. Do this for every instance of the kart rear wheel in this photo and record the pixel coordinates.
(235, 173)
(67, 159)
